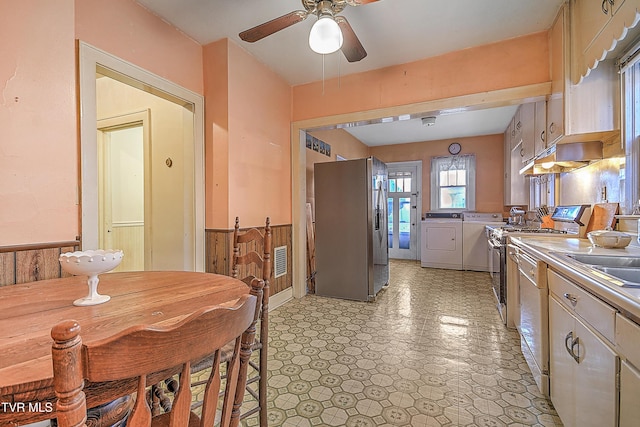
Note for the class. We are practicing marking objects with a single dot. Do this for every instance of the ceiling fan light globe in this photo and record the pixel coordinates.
(325, 36)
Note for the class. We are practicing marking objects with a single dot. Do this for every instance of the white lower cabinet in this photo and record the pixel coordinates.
(583, 371)
(628, 345)
(583, 364)
(629, 392)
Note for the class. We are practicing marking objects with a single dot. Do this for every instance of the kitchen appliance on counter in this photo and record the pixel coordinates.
(516, 216)
(572, 218)
(474, 241)
(441, 240)
(352, 254)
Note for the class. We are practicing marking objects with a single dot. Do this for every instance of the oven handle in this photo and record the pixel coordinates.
(494, 246)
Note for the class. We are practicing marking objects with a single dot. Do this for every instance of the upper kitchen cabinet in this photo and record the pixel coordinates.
(579, 112)
(540, 127)
(597, 27)
(534, 122)
(558, 40)
(516, 186)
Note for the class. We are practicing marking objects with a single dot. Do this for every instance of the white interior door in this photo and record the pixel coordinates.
(122, 189)
(403, 201)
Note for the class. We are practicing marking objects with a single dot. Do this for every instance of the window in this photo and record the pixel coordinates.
(453, 182)
(630, 80)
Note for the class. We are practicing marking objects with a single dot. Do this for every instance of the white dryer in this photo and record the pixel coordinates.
(441, 240)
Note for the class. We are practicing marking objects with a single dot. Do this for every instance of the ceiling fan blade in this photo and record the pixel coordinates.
(263, 30)
(351, 46)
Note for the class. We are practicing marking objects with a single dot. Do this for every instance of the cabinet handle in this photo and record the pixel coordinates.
(571, 298)
(575, 342)
(542, 136)
(605, 9)
(552, 126)
(522, 152)
(569, 339)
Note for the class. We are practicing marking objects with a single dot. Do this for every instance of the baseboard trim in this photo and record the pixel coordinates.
(280, 298)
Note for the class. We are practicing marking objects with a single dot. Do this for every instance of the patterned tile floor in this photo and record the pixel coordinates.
(430, 351)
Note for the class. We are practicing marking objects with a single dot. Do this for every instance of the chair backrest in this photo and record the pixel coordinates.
(143, 350)
(252, 249)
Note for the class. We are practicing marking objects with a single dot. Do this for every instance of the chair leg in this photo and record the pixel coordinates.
(264, 338)
(262, 387)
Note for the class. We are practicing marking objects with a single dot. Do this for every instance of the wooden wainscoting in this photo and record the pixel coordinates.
(29, 263)
(219, 248)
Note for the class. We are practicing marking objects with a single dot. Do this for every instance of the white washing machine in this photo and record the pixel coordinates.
(441, 240)
(475, 247)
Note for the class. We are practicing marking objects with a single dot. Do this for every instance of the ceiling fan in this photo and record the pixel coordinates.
(349, 43)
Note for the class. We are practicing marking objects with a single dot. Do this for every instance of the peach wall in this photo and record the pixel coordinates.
(506, 64)
(251, 132)
(129, 31)
(489, 154)
(216, 97)
(38, 142)
(259, 141)
(39, 180)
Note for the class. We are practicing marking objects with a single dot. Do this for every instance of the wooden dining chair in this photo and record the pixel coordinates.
(251, 260)
(130, 354)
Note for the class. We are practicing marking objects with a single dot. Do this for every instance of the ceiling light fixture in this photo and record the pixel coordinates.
(325, 36)
(428, 121)
(547, 165)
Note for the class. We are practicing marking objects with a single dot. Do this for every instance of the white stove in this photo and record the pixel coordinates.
(569, 221)
(474, 242)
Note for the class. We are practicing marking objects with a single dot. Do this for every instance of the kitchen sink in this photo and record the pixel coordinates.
(607, 260)
(628, 274)
(624, 268)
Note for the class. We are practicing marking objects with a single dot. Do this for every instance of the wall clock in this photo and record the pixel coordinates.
(455, 148)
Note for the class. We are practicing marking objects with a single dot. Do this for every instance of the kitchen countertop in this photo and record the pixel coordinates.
(551, 249)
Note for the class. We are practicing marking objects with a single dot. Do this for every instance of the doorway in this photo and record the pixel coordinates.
(177, 180)
(404, 198)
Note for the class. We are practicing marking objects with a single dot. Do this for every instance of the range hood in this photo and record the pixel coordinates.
(564, 158)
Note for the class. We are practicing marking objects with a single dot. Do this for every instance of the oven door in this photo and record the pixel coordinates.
(495, 250)
(497, 270)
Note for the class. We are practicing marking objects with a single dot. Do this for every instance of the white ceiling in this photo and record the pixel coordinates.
(391, 31)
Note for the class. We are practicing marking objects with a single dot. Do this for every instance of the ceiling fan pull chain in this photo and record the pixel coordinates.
(323, 73)
(339, 72)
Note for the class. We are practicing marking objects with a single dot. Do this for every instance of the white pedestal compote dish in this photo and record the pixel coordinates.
(91, 263)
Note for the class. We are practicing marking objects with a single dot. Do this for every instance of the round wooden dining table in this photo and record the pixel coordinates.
(28, 311)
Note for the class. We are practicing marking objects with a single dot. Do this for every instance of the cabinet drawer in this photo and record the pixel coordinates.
(599, 315)
(529, 267)
(628, 339)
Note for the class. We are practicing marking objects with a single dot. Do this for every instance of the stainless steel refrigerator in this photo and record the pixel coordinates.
(352, 253)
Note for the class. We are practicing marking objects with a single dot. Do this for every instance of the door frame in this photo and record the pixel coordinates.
(416, 200)
(90, 60)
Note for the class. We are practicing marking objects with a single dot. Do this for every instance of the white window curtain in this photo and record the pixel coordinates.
(453, 182)
(630, 85)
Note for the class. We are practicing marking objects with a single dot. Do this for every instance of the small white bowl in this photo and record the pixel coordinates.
(609, 239)
(91, 263)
